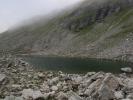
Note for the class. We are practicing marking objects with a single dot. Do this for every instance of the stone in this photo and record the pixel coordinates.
(126, 70)
(41, 75)
(45, 87)
(93, 78)
(90, 74)
(29, 93)
(54, 88)
(130, 96)
(119, 95)
(11, 97)
(19, 98)
(108, 86)
(2, 78)
(105, 93)
(62, 96)
(37, 95)
(55, 80)
(74, 96)
(111, 81)
(78, 79)
(49, 95)
(93, 87)
(103, 88)
(128, 82)
(16, 87)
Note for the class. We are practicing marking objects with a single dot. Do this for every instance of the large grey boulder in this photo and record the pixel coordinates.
(105, 93)
(103, 88)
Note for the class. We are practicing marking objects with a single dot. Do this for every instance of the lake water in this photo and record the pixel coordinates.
(75, 65)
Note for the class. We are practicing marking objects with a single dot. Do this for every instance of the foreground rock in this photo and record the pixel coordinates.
(18, 81)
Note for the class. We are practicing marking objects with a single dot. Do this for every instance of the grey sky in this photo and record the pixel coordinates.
(14, 11)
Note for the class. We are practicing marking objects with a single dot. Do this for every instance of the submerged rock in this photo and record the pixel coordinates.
(127, 70)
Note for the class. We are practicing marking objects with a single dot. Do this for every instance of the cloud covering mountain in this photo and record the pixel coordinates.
(14, 11)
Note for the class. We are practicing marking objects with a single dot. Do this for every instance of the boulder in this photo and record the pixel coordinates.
(41, 75)
(62, 96)
(19, 98)
(11, 97)
(74, 96)
(90, 74)
(130, 95)
(93, 87)
(128, 82)
(111, 81)
(119, 95)
(49, 96)
(30, 94)
(127, 70)
(77, 79)
(54, 88)
(53, 81)
(103, 88)
(16, 87)
(105, 93)
(93, 78)
(2, 78)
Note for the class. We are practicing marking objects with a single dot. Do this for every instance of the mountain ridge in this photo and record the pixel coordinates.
(98, 29)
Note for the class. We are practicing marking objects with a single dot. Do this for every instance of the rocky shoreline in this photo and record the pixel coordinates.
(19, 81)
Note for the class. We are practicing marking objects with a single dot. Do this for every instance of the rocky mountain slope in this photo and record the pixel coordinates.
(98, 29)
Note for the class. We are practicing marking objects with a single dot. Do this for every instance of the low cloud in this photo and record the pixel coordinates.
(14, 11)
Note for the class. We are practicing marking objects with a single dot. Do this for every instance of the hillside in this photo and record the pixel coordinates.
(98, 29)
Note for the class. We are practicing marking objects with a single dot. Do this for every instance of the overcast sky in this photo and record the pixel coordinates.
(15, 11)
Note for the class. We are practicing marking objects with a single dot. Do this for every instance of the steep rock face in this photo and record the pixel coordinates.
(95, 12)
(94, 29)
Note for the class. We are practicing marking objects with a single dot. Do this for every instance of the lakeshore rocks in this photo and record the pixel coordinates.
(25, 83)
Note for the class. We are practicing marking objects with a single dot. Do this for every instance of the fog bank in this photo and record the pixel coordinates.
(15, 11)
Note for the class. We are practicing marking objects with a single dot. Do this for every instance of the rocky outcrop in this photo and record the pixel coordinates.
(26, 83)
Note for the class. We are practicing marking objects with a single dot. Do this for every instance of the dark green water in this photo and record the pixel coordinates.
(75, 65)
